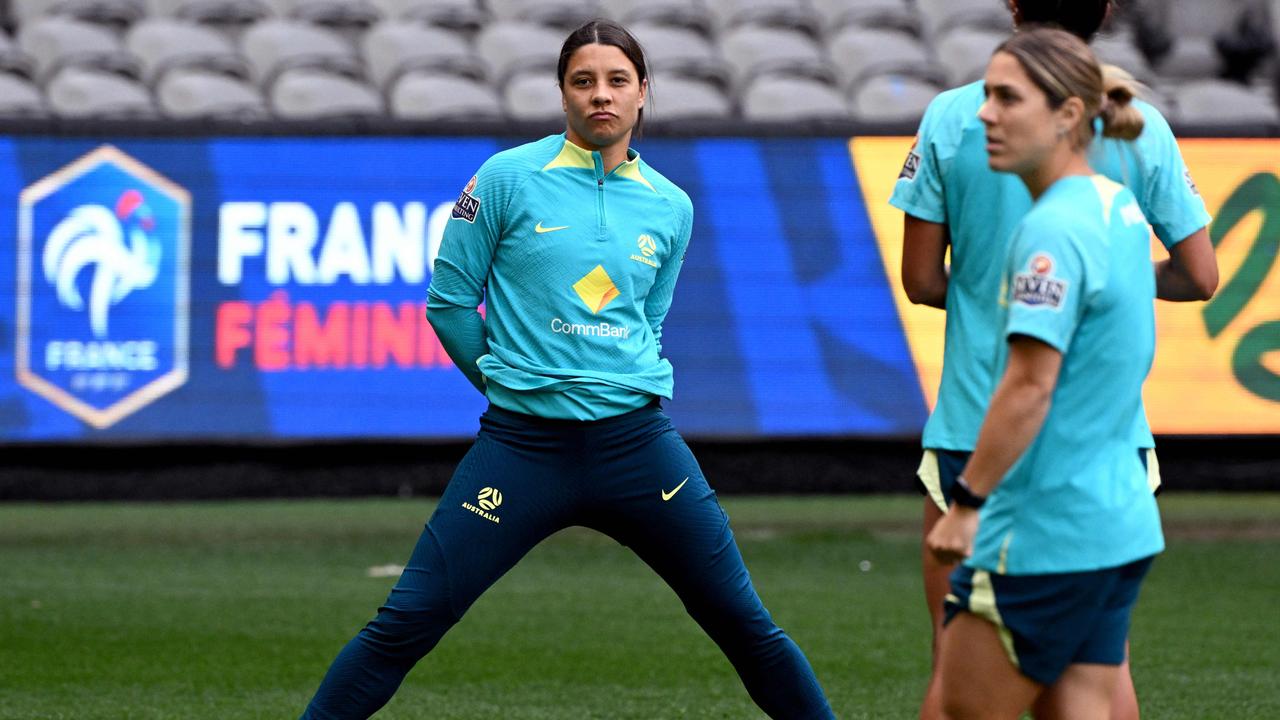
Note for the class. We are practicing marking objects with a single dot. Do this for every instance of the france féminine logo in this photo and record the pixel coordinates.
(103, 264)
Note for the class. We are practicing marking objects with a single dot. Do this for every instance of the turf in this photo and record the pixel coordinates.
(234, 610)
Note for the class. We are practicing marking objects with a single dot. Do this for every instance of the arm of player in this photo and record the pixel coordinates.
(461, 270)
(1017, 411)
(1191, 270)
(658, 302)
(924, 255)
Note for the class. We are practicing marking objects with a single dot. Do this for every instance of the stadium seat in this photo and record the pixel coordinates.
(1218, 103)
(332, 13)
(779, 99)
(688, 14)
(199, 93)
(675, 98)
(19, 98)
(1120, 50)
(82, 92)
(393, 47)
(164, 43)
(753, 51)
(1186, 48)
(228, 14)
(306, 93)
(461, 15)
(562, 14)
(57, 42)
(273, 46)
(940, 16)
(892, 98)
(963, 53)
(681, 51)
(13, 60)
(836, 15)
(783, 14)
(422, 95)
(117, 13)
(508, 46)
(532, 96)
(858, 53)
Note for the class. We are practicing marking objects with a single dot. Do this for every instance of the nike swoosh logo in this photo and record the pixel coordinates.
(539, 229)
(668, 495)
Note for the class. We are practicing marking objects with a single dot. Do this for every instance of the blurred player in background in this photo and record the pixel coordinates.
(953, 199)
(1053, 509)
(574, 243)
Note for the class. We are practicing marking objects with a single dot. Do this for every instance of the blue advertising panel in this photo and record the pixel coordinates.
(265, 289)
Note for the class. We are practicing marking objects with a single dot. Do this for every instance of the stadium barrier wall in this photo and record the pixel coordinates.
(265, 293)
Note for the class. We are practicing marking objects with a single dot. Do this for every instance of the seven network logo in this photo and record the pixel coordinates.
(103, 263)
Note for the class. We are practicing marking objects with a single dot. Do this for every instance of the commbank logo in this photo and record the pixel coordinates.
(489, 498)
(102, 325)
(596, 289)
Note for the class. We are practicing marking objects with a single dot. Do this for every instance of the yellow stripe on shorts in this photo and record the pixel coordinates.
(1153, 471)
(931, 476)
(982, 602)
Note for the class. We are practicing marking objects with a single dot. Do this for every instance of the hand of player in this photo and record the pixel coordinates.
(951, 539)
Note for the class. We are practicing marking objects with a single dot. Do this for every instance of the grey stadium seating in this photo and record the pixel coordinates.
(56, 42)
(13, 60)
(332, 13)
(200, 93)
(117, 13)
(425, 95)
(162, 44)
(683, 52)
(461, 15)
(689, 14)
(940, 16)
(858, 53)
(673, 98)
(307, 93)
(1216, 102)
(392, 48)
(222, 13)
(79, 92)
(837, 15)
(786, 99)
(273, 46)
(508, 46)
(963, 53)
(532, 95)
(20, 98)
(783, 14)
(891, 98)
(560, 14)
(753, 51)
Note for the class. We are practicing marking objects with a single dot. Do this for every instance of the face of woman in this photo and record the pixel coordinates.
(1022, 130)
(602, 96)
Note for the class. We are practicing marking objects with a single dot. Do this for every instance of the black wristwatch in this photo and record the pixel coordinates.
(962, 494)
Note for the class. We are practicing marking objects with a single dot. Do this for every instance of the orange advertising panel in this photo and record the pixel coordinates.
(1217, 365)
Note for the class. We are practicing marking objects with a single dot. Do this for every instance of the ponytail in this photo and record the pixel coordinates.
(1120, 118)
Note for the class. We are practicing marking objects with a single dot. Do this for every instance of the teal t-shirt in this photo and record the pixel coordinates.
(576, 269)
(1078, 278)
(947, 180)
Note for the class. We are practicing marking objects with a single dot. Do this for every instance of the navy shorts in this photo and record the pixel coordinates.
(939, 469)
(1048, 622)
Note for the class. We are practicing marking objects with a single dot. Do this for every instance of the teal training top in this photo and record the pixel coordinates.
(947, 180)
(576, 268)
(1078, 277)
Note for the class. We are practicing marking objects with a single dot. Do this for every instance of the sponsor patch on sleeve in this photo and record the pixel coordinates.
(468, 205)
(1186, 175)
(1038, 287)
(912, 164)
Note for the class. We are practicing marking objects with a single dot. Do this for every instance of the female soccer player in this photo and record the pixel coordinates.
(1067, 525)
(950, 197)
(574, 243)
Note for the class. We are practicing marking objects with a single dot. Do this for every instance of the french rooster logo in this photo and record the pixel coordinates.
(93, 235)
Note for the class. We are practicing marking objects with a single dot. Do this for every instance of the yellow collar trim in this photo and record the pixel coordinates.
(631, 171)
(571, 156)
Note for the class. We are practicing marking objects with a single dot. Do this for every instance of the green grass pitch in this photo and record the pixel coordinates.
(234, 610)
